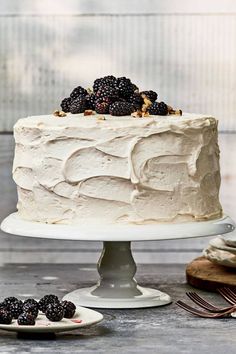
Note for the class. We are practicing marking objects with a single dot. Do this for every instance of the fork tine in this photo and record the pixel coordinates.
(204, 314)
(202, 302)
(196, 312)
(226, 296)
(193, 309)
(188, 308)
(231, 292)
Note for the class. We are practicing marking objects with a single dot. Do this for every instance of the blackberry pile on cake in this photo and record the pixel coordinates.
(117, 155)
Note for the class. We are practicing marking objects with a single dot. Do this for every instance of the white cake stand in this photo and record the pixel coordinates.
(117, 287)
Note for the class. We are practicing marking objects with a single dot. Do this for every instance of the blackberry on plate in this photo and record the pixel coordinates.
(160, 109)
(121, 108)
(26, 319)
(46, 300)
(9, 300)
(65, 104)
(2, 306)
(102, 108)
(69, 308)
(31, 301)
(78, 105)
(55, 312)
(90, 101)
(15, 308)
(107, 92)
(136, 100)
(5, 316)
(31, 308)
(152, 95)
(124, 87)
(78, 91)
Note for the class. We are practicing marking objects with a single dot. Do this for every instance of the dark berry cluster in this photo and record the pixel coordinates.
(117, 96)
(160, 109)
(26, 312)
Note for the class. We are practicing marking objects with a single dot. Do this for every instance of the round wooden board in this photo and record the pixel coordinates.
(203, 274)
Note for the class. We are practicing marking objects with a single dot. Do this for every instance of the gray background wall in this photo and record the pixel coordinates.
(183, 49)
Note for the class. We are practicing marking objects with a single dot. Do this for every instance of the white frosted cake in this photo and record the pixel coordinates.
(152, 169)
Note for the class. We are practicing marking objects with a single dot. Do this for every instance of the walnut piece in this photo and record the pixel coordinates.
(147, 103)
(88, 112)
(58, 113)
(99, 118)
(177, 112)
(137, 114)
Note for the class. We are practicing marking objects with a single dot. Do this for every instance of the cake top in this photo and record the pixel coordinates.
(96, 120)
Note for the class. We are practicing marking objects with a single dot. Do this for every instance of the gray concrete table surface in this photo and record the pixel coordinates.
(163, 330)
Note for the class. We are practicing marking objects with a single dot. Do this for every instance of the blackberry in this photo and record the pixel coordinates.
(90, 101)
(97, 83)
(65, 104)
(26, 319)
(109, 80)
(107, 92)
(78, 105)
(31, 301)
(2, 306)
(13, 305)
(31, 308)
(120, 108)
(9, 300)
(105, 100)
(124, 87)
(102, 108)
(160, 109)
(152, 95)
(46, 300)
(69, 308)
(136, 100)
(55, 312)
(135, 88)
(15, 308)
(5, 316)
(78, 91)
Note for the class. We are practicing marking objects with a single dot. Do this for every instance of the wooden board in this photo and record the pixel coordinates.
(205, 275)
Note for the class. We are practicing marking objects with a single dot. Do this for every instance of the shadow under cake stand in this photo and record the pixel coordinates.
(117, 287)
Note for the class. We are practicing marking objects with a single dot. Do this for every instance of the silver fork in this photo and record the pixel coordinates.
(197, 299)
(228, 294)
(205, 314)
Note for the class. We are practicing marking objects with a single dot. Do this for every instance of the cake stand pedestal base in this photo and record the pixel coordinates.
(117, 287)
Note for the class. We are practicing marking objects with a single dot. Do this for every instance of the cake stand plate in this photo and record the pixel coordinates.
(117, 287)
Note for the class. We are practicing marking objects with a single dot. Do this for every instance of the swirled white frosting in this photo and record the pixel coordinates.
(122, 169)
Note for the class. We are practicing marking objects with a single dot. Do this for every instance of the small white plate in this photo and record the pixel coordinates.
(43, 325)
(217, 256)
(219, 243)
